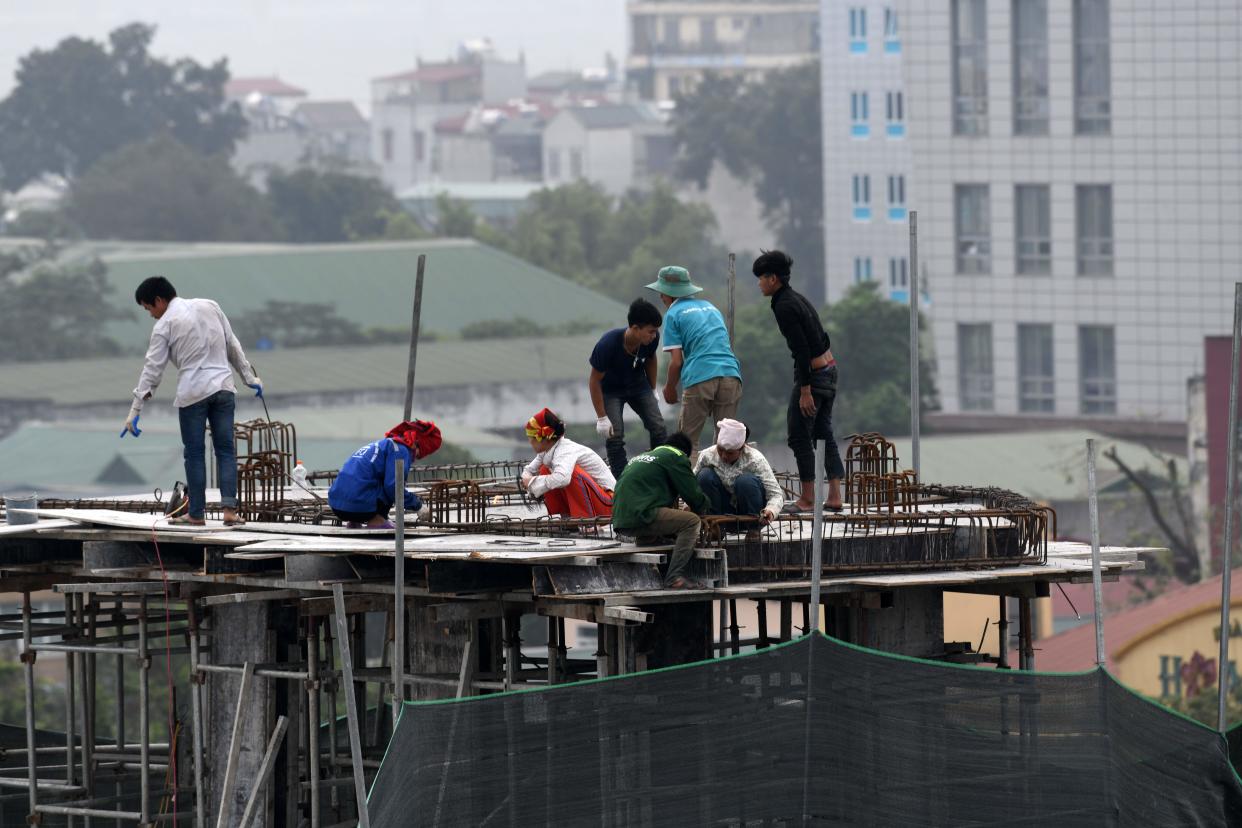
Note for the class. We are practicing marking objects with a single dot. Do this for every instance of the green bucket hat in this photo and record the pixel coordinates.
(674, 281)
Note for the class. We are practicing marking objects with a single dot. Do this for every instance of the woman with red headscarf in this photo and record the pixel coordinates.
(366, 488)
(572, 479)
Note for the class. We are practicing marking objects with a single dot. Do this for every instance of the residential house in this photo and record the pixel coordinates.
(618, 146)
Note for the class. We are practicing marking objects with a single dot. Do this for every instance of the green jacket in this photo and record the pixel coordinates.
(651, 481)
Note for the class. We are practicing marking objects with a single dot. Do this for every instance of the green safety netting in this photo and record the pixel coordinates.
(815, 732)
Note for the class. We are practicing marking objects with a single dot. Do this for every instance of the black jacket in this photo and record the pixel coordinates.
(803, 332)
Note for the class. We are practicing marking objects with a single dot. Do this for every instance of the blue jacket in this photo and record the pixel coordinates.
(369, 476)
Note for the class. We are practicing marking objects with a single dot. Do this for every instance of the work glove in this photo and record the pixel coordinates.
(526, 478)
(603, 427)
(423, 514)
(131, 425)
(257, 385)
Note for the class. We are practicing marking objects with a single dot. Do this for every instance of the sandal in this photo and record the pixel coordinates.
(833, 509)
(792, 508)
(237, 521)
(186, 520)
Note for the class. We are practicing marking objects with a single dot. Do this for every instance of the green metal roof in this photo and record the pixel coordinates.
(1043, 465)
(369, 283)
(309, 370)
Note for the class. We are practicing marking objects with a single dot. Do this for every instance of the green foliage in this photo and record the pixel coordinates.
(399, 226)
(870, 337)
(49, 698)
(455, 219)
(315, 206)
(297, 325)
(614, 246)
(83, 100)
(48, 225)
(502, 328)
(767, 132)
(53, 311)
(162, 190)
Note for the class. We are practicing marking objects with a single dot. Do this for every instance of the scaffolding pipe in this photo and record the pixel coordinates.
(351, 705)
(196, 713)
(265, 771)
(230, 767)
(398, 635)
(312, 715)
(1230, 508)
(71, 673)
(144, 713)
(1097, 588)
(915, 407)
(415, 323)
(817, 537)
(28, 659)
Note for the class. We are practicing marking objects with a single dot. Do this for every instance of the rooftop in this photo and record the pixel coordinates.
(330, 115)
(271, 86)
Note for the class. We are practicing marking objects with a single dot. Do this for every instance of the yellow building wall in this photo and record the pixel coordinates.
(965, 614)
(1151, 662)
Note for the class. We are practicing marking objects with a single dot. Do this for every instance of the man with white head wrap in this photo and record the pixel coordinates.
(736, 477)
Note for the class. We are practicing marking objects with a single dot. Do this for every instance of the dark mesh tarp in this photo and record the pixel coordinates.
(883, 741)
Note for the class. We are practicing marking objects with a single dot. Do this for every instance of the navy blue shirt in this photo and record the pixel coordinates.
(624, 373)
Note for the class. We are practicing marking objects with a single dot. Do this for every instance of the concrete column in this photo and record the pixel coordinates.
(433, 647)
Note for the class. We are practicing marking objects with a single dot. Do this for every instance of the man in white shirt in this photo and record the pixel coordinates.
(737, 478)
(194, 335)
(572, 479)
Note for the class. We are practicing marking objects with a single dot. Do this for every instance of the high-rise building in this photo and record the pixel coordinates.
(1079, 168)
(673, 42)
(868, 189)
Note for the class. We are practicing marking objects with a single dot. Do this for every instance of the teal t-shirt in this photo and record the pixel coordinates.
(695, 326)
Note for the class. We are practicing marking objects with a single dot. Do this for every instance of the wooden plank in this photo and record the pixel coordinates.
(34, 528)
(130, 520)
(607, 577)
(449, 547)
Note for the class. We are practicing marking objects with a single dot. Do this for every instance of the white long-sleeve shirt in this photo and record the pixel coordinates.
(560, 460)
(751, 461)
(194, 335)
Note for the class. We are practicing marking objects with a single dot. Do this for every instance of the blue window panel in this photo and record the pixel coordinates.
(892, 47)
(896, 130)
(899, 295)
(858, 47)
(860, 130)
(862, 214)
(896, 213)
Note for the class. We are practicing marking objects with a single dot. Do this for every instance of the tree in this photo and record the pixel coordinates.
(82, 100)
(161, 190)
(315, 206)
(297, 325)
(53, 311)
(1184, 560)
(767, 132)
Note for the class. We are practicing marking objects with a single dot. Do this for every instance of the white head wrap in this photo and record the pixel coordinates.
(732, 434)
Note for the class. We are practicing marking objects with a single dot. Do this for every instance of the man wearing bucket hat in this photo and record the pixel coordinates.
(700, 356)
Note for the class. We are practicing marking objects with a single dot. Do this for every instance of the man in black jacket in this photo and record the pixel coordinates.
(815, 379)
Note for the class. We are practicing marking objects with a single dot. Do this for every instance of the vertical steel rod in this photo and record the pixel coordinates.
(1002, 635)
(731, 311)
(312, 715)
(915, 407)
(414, 326)
(1097, 587)
(71, 686)
(817, 538)
(144, 712)
(1231, 466)
(28, 660)
(196, 713)
(398, 598)
(119, 629)
(351, 705)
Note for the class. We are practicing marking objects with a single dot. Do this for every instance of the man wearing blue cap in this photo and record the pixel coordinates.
(700, 355)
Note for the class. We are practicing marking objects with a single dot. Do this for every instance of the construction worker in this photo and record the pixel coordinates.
(623, 372)
(646, 499)
(809, 417)
(700, 356)
(365, 489)
(737, 479)
(195, 336)
(571, 479)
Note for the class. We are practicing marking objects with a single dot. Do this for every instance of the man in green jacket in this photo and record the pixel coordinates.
(644, 500)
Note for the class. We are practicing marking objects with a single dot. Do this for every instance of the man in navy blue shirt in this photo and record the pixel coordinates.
(623, 372)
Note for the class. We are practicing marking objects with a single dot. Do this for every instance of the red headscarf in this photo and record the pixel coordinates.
(421, 436)
(537, 427)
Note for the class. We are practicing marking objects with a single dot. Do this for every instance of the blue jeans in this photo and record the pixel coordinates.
(647, 409)
(803, 431)
(747, 497)
(217, 410)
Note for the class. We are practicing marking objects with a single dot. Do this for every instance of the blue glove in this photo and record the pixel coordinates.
(257, 385)
(131, 427)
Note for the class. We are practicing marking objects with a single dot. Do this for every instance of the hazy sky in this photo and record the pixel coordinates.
(331, 48)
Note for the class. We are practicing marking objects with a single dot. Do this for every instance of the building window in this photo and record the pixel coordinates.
(974, 367)
(895, 114)
(973, 211)
(672, 34)
(1097, 370)
(386, 140)
(897, 198)
(575, 163)
(859, 106)
(1094, 219)
(862, 269)
(862, 198)
(707, 33)
(858, 31)
(892, 42)
(420, 148)
(1092, 73)
(899, 279)
(1036, 390)
(554, 164)
(1030, 67)
(1033, 229)
(970, 67)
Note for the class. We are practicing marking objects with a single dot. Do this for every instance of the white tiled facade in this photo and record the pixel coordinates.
(866, 235)
(1170, 152)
